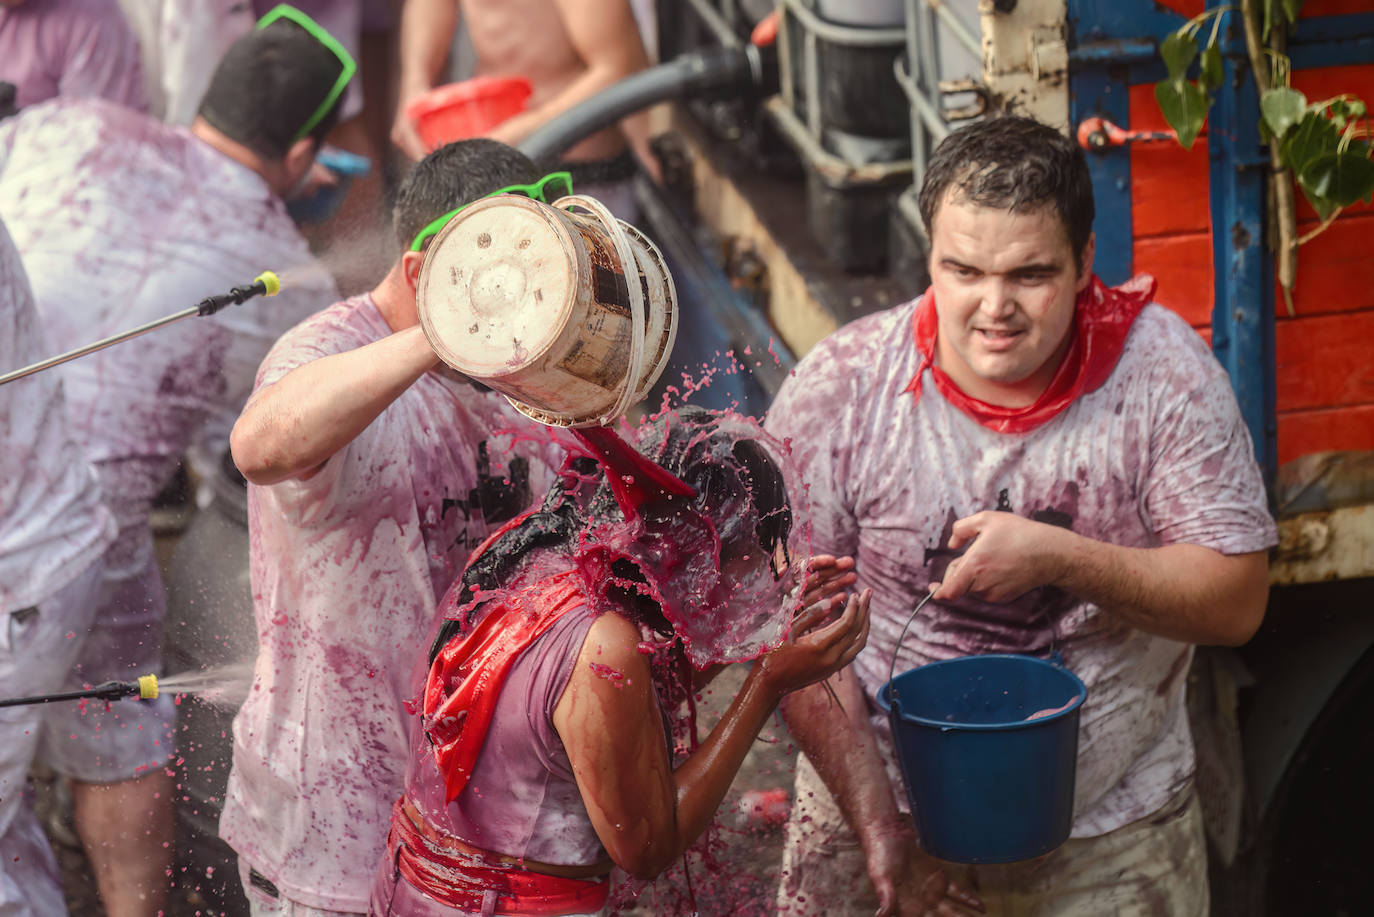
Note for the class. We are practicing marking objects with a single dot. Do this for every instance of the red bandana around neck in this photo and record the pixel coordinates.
(465, 680)
(1103, 317)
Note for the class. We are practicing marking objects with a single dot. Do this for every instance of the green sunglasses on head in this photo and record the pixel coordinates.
(349, 67)
(547, 190)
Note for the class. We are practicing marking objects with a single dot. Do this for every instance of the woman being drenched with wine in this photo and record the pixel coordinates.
(551, 707)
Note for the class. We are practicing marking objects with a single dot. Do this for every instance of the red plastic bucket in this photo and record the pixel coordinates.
(467, 109)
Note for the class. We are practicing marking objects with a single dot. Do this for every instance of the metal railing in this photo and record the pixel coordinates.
(926, 91)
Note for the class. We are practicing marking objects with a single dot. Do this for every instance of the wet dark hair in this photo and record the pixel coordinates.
(684, 445)
(1015, 164)
(457, 173)
(759, 481)
(267, 86)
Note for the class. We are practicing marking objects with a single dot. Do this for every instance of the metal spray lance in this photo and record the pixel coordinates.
(144, 688)
(265, 284)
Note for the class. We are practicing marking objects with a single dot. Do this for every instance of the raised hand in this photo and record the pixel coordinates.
(826, 576)
(815, 650)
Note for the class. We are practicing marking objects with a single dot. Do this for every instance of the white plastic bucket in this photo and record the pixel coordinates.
(534, 301)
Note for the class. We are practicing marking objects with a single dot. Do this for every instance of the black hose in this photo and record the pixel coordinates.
(700, 73)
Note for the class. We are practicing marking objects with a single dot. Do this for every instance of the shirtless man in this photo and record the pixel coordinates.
(569, 50)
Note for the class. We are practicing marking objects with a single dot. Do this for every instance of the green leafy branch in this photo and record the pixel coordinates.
(1184, 102)
(1324, 145)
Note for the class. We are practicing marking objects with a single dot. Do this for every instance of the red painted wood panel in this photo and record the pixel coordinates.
(1183, 266)
(1325, 357)
(1335, 270)
(1169, 185)
(1302, 432)
(1314, 8)
(1325, 380)
(1185, 8)
(1325, 361)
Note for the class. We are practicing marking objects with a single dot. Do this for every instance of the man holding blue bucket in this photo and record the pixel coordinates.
(1064, 467)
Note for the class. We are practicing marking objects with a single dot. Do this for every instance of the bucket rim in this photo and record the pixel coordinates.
(884, 702)
(491, 372)
(464, 92)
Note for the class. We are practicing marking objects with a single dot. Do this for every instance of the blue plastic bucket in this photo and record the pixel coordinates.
(325, 201)
(987, 783)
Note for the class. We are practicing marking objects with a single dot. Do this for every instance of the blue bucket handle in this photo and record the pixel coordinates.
(1055, 658)
(892, 667)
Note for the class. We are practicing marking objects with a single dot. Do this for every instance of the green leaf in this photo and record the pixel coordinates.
(1268, 19)
(1213, 74)
(1315, 136)
(1178, 51)
(1291, 9)
(1346, 110)
(1184, 106)
(1282, 108)
(1340, 179)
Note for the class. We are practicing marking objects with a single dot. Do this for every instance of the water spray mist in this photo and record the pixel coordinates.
(265, 284)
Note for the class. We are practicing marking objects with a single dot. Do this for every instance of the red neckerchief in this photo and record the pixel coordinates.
(1103, 317)
(466, 678)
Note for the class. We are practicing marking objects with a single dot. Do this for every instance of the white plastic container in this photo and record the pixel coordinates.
(535, 301)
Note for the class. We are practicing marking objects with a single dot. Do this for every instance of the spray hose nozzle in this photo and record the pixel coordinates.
(145, 688)
(265, 284)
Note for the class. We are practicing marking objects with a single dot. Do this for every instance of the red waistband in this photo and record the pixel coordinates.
(461, 880)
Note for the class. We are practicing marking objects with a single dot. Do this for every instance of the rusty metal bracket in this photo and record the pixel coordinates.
(975, 109)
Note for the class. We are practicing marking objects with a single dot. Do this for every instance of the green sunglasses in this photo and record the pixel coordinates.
(547, 190)
(349, 67)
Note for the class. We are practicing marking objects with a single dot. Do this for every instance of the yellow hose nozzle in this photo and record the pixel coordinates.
(147, 684)
(270, 282)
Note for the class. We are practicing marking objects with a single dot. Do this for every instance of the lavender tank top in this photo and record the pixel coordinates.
(522, 799)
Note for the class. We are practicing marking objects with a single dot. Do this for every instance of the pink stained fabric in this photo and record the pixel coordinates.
(1157, 455)
(522, 799)
(432, 864)
(52, 522)
(70, 48)
(120, 220)
(53, 531)
(467, 678)
(347, 568)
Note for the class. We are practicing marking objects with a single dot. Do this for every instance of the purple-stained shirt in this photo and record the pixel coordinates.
(120, 220)
(522, 799)
(52, 523)
(70, 48)
(1158, 455)
(347, 570)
